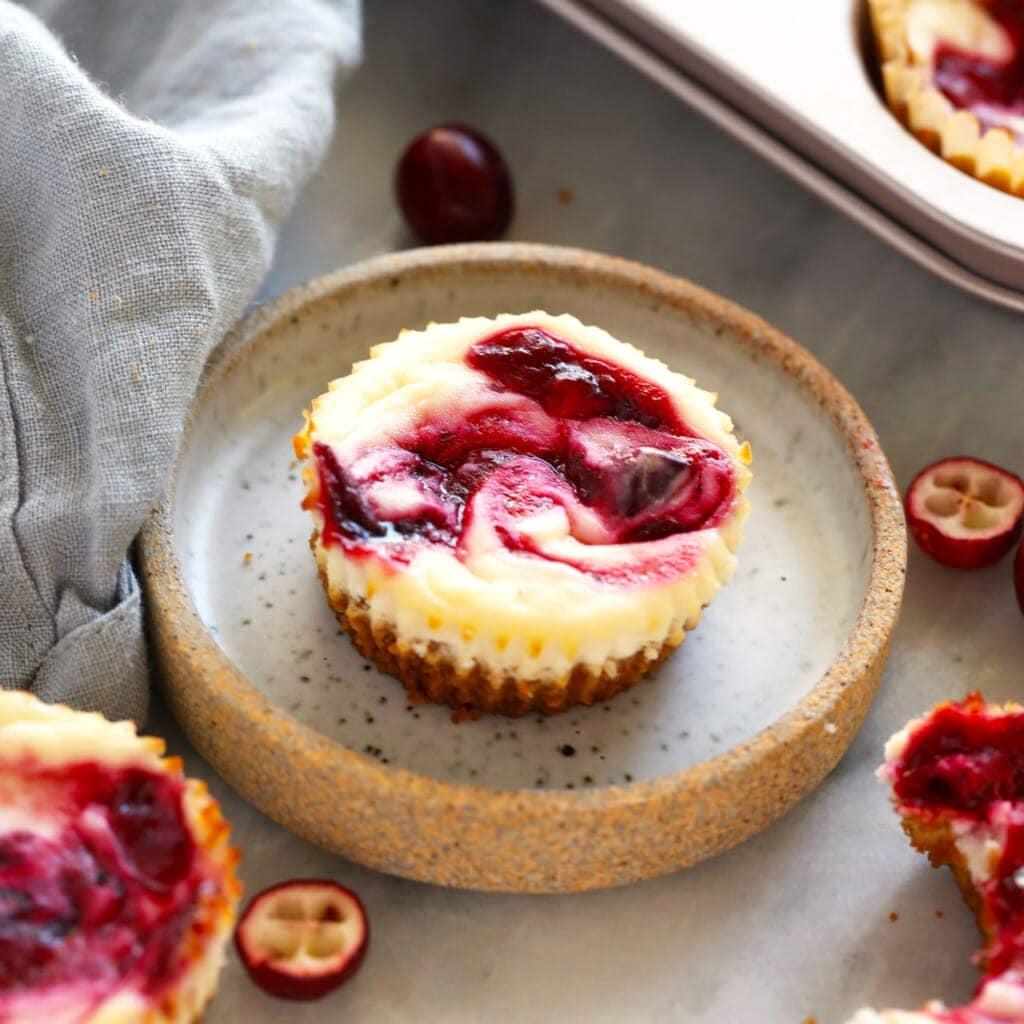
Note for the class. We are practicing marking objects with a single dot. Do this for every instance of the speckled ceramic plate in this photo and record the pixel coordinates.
(749, 715)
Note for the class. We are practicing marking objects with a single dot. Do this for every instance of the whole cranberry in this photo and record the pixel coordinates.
(453, 185)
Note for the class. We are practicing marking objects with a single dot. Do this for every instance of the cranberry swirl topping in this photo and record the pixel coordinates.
(556, 443)
(103, 901)
(974, 82)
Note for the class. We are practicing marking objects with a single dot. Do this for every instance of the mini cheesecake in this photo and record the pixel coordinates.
(117, 884)
(520, 514)
(957, 778)
(953, 72)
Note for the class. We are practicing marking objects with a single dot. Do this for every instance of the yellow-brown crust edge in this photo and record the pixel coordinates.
(211, 928)
(993, 157)
(435, 677)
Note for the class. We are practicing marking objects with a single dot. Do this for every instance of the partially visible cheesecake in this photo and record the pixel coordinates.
(117, 884)
(957, 777)
(953, 72)
(520, 514)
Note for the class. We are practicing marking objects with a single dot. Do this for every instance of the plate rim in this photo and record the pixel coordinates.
(223, 713)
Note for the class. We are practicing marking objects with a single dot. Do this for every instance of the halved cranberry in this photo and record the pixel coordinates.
(302, 939)
(964, 512)
(453, 185)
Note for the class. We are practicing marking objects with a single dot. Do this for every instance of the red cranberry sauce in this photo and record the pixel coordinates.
(961, 759)
(106, 900)
(966, 763)
(555, 428)
(970, 81)
(1004, 898)
(569, 384)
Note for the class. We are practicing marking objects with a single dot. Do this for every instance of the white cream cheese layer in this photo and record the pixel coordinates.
(962, 24)
(534, 617)
(53, 735)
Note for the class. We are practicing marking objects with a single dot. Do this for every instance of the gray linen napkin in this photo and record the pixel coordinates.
(143, 180)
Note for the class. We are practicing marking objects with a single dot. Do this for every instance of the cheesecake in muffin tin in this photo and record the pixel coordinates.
(953, 72)
(520, 513)
(117, 883)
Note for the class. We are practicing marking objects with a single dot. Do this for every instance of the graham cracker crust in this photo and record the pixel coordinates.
(434, 677)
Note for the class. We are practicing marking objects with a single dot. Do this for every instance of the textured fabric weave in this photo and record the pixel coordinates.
(151, 149)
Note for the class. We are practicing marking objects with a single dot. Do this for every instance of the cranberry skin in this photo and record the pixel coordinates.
(453, 185)
(947, 526)
(1018, 576)
(298, 975)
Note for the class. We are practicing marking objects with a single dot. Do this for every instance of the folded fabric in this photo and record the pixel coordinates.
(151, 149)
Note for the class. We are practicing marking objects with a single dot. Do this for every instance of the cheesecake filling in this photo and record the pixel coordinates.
(557, 454)
(976, 54)
(99, 884)
(964, 765)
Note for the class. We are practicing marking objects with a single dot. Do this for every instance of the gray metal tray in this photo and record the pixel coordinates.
(799, 92)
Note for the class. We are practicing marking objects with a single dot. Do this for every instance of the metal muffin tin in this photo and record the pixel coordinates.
(795, 84)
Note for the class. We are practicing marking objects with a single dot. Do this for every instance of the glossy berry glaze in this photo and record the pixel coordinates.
(972, 82)
(561, 434)
(965, 765)
(100, 898)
